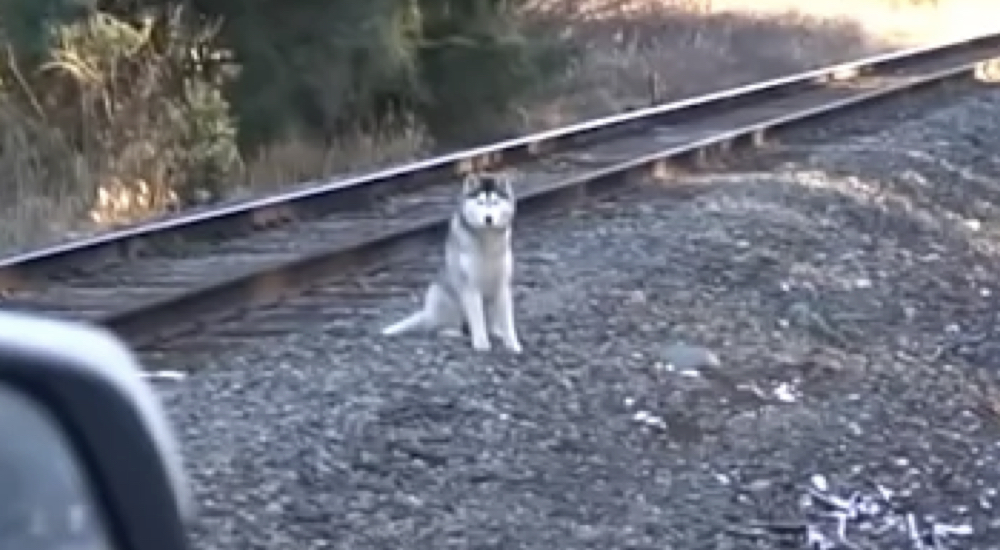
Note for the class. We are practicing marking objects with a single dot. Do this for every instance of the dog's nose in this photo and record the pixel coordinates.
(488, 220)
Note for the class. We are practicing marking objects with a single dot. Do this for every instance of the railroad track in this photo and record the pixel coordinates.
(167, 278)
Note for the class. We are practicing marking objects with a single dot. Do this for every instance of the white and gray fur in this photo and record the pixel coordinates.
(473, 289)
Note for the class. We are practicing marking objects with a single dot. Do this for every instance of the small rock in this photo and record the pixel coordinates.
(636, 297)
(685, 357)
(820, 483)
(759, 485)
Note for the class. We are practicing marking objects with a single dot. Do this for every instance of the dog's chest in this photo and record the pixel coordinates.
(486, 272)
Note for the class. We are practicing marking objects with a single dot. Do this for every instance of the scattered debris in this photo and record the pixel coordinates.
(649, 419)
(831, 522)
(784, 392)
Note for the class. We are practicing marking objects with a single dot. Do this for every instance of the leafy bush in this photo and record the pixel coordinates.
(156, 104)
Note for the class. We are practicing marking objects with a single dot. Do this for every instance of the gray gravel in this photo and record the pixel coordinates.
(844, 310)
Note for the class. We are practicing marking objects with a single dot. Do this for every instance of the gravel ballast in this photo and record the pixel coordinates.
(689, 365)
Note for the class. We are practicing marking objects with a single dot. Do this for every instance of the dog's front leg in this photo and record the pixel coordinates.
(503, 319)
(472, 306)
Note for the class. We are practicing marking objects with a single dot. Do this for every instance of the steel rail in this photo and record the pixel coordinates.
(716, 121)
(27, 269)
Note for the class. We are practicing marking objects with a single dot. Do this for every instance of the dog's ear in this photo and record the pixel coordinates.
(506, 185)
(470, 185)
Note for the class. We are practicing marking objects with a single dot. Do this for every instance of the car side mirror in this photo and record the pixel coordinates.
(87, 457)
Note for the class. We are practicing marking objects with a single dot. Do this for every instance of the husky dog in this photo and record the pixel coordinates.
(472, 292)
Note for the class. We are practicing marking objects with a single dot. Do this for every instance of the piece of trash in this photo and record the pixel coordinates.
(886, 494)
(944, 530)
(913, 530)
(819, 482)
(669, 367)
(830, 503)
(816, 540)
(834, 522)
(784, 393)
(649, 419)
(171, 375)
(868, 506)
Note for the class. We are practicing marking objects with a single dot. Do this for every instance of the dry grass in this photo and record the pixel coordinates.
(40, 194)
(296, 160)
(683, 47)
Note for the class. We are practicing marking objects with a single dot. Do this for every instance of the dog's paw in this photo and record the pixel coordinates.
(481, 345)
(510, 340)
(514, 346)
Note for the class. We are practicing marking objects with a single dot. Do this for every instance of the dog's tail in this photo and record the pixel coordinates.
(417, 321)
